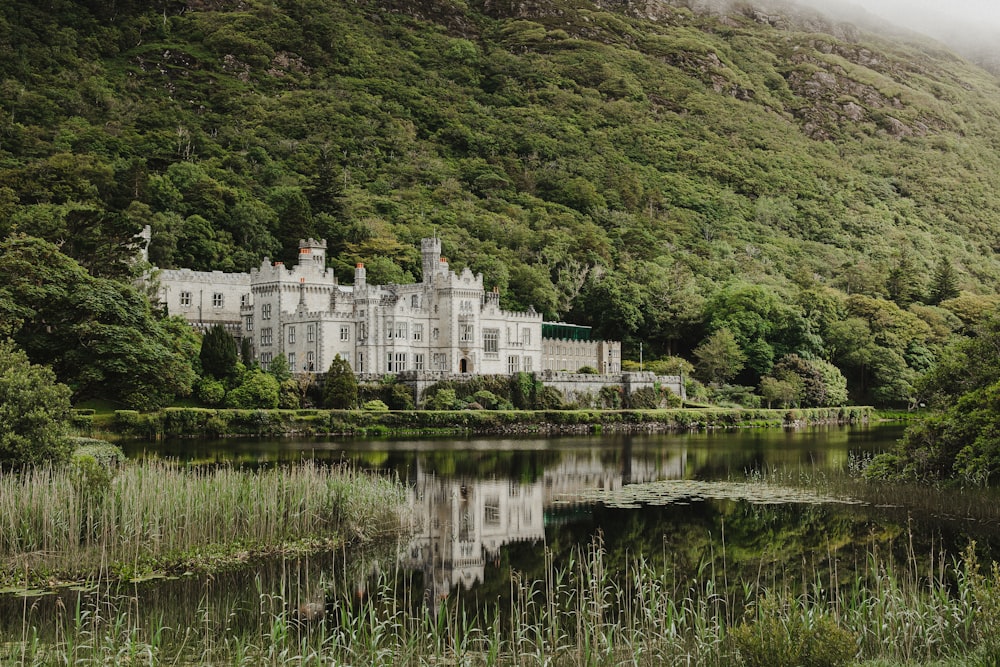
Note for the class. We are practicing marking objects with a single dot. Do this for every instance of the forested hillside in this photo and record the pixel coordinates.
(660, 174)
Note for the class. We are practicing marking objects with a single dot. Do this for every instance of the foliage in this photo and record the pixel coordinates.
(944, 282)
(401, 397)
(257, 390)
(278, 368)
(719, 357)
(34, 410)
(961, 438)
(289, 394)
(786, 638)
(443, 399)
(98, 335)
(658, 180)
(210, 392)
(340, 388)
(375, 406)
(218, 354)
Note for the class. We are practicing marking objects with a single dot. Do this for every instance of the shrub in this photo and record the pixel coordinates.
(288, 395)
(375, 406)
(258, 390)
(210, 392)
(783, 638)
(587, 370)
(401, 397)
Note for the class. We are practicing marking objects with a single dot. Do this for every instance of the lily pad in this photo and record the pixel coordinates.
(685, 491)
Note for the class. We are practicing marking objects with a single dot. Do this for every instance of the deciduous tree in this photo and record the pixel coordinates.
(34, 409)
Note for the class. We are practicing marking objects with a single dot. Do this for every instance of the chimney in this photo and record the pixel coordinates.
(359, 275)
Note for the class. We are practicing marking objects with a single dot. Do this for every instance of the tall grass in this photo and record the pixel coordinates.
(577, 614)
(72, 523)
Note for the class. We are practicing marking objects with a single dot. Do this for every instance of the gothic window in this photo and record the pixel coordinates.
(291, 335)
(345, 332)
(491, 341)
(266, 336)
(185, 299)
(418, 332)
(291, 361)
(418, 362)
(265, 311)
(513, 364)
(310, 333)
(466, 333)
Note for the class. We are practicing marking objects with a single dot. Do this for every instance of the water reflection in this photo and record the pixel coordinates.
(480, 508)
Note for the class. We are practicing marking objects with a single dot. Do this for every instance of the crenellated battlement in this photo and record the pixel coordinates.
(207, 277)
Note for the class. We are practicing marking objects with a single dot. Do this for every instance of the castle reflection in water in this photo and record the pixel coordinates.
(459, 525)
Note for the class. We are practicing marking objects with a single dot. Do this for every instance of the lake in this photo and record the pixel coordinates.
(773, 506)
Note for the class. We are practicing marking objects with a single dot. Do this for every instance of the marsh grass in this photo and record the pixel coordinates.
(71, 523)
(576, 614)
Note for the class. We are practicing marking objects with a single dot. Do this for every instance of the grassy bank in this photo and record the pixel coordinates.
(575, 615)
(188, 422)
(74, 523)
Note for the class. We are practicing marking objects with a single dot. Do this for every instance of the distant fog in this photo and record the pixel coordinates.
(942, 20)
(971, 27)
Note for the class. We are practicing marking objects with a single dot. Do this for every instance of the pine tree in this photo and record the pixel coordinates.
(340, 391)
(218, 353)
(944, 283)
(901, 283)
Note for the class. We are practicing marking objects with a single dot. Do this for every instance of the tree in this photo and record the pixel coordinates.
(34, 410)
(100, 336)
(961, 439)
(785, 391)
(278, 368)
(902, 281)
(944, 283)
(821, 383)
(340, 391)
(719, 357)
(218, 353)
(257, 391)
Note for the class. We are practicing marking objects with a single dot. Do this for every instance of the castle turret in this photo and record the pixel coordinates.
(430, 249)
(360, 276)
(312, 253)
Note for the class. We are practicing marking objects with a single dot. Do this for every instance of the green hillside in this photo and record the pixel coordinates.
(655, 173)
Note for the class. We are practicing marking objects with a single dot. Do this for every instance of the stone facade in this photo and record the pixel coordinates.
(447, 324)
(559, 354)
(205, 298)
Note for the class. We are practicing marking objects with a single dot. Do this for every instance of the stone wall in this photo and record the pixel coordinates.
(575, 387)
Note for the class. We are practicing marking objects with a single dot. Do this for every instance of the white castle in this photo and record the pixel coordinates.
(447, 324)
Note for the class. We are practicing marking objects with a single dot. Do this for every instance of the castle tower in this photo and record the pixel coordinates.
(312, 253)
(430, 249)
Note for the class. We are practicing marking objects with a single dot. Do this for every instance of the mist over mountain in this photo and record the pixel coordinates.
(970, 27)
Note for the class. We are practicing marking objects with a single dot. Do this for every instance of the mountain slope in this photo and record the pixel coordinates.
(619, 163)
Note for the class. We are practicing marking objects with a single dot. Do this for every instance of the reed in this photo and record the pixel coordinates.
(578, 614)
(68, 523)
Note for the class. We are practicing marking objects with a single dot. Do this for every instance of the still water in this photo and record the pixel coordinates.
(482, 508)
